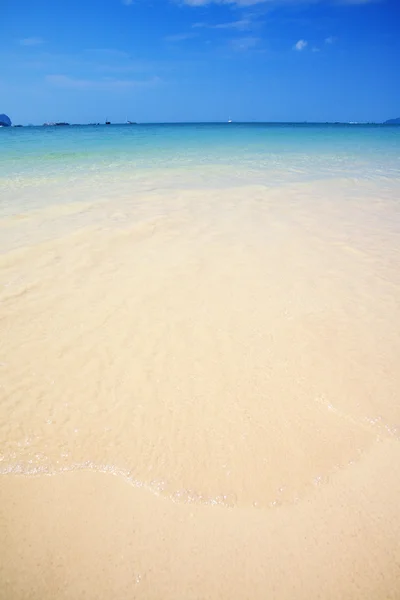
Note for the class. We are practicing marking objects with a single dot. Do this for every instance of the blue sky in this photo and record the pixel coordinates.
(199, 60)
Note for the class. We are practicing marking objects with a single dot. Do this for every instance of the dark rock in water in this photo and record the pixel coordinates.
(5, 121)
(393, 121)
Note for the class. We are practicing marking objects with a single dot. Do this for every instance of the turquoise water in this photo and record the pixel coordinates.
(144, 157)
(58, 149)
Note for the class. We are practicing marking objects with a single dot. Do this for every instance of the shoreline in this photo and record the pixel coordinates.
(341, 542)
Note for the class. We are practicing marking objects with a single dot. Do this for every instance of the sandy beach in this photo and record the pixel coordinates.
(200, 396)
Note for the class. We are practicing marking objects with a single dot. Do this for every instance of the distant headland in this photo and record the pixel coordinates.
(5, 121)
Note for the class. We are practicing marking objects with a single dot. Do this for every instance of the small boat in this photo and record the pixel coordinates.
(229, 120)
(108, 122)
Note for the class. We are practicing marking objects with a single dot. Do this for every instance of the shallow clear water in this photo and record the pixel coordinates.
(143, 157)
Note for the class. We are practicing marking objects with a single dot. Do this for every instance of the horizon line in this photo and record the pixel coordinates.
(253, 122)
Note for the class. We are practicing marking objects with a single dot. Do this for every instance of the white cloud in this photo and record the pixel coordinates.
(300, 45)
(127, 2)
(357, 1)
(237, 2)
(128, 67)
(107, 53)
(199, 2)
(179, 37)
(330, 40)
(31, 41)
(274, 2)
(105, 84)
(244, 43)
(240, 25)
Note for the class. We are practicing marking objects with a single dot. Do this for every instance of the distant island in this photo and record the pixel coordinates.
(5, 121)
(392, 121)
(55, 124)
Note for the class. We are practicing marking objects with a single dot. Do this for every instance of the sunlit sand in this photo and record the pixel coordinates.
(200, 396)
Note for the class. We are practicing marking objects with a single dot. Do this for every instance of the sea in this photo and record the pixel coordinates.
(141, 158)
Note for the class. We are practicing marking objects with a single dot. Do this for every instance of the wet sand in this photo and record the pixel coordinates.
(89, 535)
(200, 396)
